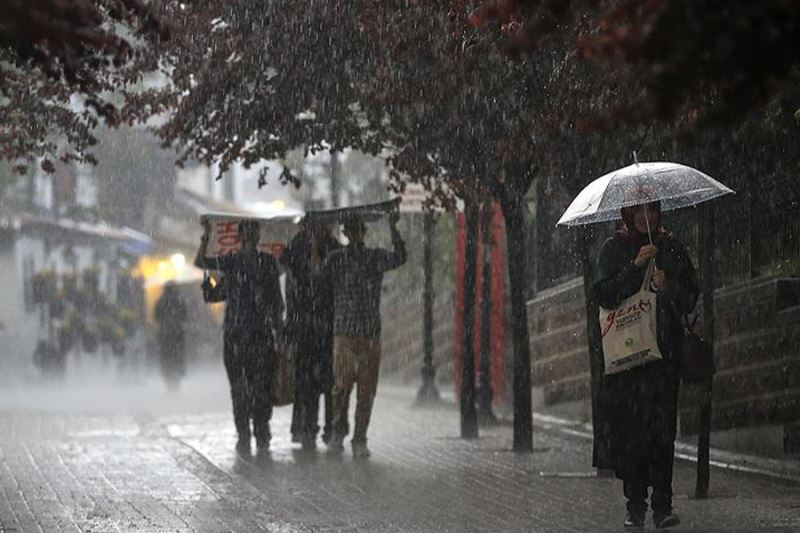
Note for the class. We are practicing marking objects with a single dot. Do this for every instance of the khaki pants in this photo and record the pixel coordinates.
(356, 360)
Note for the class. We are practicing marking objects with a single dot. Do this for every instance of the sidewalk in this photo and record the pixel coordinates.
(160, 471)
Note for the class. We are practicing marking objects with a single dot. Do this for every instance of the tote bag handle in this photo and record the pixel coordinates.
(648, 275)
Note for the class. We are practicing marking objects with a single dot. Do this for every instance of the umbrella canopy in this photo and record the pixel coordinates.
(672, 184)
(368, 212)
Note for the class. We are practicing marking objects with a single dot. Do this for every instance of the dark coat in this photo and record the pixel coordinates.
(171, 314)
(309, 321)
(309, 327)
(641, 403)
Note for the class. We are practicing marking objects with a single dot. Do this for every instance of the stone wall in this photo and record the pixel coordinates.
(757, 333)
(757, 352)
(559, 355)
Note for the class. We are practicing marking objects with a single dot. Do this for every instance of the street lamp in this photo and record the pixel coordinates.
(428, 394)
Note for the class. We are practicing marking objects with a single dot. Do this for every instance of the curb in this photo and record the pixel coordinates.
(784, 471)
(775, 469)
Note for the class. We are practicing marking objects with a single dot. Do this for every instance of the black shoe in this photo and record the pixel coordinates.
(335, 445)
(634, 521)
(360, 450)
(262, 443)
(309, 443)
(243, 446)
(663, 521)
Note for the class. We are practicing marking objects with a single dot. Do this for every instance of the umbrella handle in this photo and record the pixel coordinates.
(646, 218)
(648, 276)
(647, 221)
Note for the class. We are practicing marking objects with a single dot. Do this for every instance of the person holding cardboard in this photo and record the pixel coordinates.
(253, 319)
(356, 274)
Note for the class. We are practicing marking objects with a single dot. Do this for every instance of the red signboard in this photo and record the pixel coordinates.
(223, 238)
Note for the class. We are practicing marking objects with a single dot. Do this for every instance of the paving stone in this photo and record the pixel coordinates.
(178, 473)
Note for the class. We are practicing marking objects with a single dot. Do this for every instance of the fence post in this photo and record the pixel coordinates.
(707, 266)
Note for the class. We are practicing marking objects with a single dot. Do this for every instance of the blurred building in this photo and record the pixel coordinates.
(133, 214)
(50, 227)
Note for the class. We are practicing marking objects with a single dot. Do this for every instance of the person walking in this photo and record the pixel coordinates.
(642, 402)
(309, 329)
(253, 318)
(356, 274)
(170, 314)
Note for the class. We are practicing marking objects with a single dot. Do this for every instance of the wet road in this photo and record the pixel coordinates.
(130, 457)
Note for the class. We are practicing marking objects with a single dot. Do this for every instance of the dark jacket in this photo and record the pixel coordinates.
(309, 300)
(253, 292)
(641, 403)
(171, 314)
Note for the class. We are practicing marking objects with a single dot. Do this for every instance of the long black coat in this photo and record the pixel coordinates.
(641, 403)
(171, 314)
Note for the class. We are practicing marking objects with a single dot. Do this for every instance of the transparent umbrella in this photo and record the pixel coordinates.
(672, 184)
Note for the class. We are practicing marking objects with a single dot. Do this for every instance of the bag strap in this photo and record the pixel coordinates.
(648, 275)
(690, 325)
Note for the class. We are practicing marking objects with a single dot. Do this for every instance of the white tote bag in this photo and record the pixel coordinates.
(630, 335)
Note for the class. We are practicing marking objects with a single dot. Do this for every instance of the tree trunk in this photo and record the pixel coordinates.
(511, 189)
(523, 415)
(469, 412)
(485, 394)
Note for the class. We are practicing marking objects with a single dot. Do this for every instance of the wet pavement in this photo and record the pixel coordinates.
(130, 457)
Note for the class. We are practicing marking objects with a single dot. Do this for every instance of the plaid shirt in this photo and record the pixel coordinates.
(356, 273)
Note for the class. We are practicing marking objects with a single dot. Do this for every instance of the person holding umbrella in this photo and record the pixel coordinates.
(642, 402)
(639, 392)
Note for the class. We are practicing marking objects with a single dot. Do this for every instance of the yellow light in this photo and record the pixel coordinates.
(178, 261)
(157, 270)
(278, 204)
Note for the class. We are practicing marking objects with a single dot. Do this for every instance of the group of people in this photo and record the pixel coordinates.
(332, 327)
